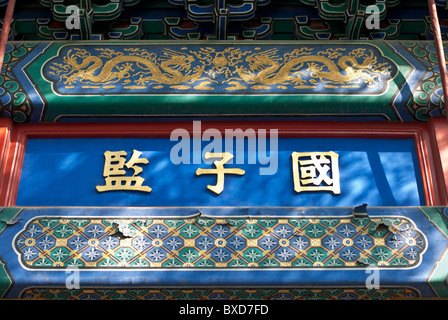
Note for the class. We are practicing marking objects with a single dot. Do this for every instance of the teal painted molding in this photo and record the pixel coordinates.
(173, 253)
(94, 81)
(7, 216)
(438, 278)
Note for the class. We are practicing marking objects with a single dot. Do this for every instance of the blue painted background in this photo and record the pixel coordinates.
(200, 59)
(65, 172)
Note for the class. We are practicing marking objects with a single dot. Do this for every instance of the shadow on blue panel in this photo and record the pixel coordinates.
(65, 172)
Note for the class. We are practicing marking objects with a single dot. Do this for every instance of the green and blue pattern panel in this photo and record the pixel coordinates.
(95, 81)
(213, 253)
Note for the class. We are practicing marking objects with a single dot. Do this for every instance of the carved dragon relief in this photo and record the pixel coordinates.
(217, 69)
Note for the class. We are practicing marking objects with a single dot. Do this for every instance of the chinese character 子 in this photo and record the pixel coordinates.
(219, 171)
(115, 174)
(316, 171)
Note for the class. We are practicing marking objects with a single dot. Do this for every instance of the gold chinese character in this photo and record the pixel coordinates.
(219, 171)
(316, 171)
(114, 172)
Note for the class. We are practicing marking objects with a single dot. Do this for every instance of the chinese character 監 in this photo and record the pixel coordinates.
(115, 174)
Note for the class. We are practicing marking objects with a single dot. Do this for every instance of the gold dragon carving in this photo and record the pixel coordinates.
(272, 72)
(236, 69)
(164, 72)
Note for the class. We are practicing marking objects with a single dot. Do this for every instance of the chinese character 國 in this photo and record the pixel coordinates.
(316, 171)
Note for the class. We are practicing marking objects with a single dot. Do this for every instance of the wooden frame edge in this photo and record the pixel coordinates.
(426, 147)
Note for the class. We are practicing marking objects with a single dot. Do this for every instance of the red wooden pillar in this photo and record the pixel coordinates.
(439, 48)
(438, 130)
(5, 29)
(5, 158)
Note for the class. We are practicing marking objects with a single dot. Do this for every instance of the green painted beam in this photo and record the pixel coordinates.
(7, 216)
(362, 80)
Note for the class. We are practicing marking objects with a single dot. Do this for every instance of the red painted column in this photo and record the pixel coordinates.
(439, 48)
(438, 128)
(5, 29)
(5, 142)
